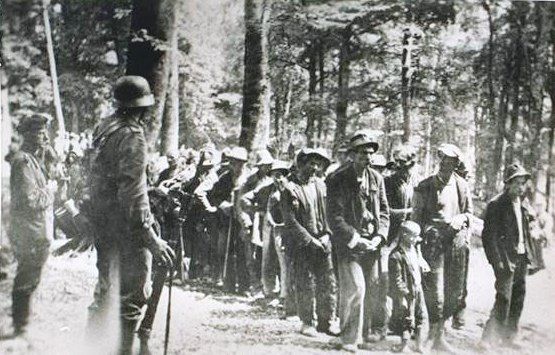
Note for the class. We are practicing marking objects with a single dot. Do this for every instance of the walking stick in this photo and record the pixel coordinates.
(227, 245)
(168, 313)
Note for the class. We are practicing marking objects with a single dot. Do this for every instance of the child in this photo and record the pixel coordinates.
(405, 275)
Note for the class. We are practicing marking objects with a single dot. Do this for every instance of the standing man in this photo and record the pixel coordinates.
(222, 199)
(359, 218)
(305, 218)
(443, 208)
(125, 237)
(507, 240)
(32, 196)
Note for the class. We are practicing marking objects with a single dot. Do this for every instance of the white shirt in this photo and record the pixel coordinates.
(517, 208)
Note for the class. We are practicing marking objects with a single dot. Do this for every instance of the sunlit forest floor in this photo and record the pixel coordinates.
(207, 321)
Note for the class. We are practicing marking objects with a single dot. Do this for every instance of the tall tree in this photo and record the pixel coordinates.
(169, 133)
(153, 23)
(255, 119)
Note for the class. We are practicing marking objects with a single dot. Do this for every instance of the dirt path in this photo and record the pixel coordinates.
(205, 321)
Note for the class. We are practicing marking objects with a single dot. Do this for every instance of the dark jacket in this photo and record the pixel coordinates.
(500, 233)
(31, 203)
(346, 206)
(119, 194)
(402, 275)
(425, 199)
(297, 216)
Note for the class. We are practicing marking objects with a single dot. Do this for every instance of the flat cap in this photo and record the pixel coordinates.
(238, 153)
(362, 140)
(450, 150)
(515, 170)
(33, 122)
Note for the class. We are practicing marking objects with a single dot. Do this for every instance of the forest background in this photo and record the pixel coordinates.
(284, 74)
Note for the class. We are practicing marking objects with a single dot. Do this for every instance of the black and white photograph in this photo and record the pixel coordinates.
(277, 177)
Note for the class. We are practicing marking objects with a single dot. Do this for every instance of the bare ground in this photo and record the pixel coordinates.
(206, 321)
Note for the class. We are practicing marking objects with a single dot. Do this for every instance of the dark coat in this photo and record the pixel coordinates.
(119, 194)
(425, 199)
(500, 233)
(346, 207)
(31, 203)
(296, 213)
(401, 275)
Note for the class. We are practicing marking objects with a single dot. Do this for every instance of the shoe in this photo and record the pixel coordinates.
(374, 338)
(336, 343)
(308, 330)
(401, 348)
(439, 340)
(458, 321)
(331, 331)
(511, 344)
(350, 348)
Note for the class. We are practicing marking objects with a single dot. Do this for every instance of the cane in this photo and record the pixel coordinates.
(227, 245)
(168, 313)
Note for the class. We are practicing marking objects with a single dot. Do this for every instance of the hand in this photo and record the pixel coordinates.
(424, 266)
(326, 243)
(315, 244)
(52, 186)
(458, 221)
(363, 245)
(161, 251)
(374, 242)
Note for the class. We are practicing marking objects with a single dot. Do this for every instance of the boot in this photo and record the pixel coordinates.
(144, 336)
(418, 340)
(431, 334)
(439, 339)
(127, 336)
(20, 311)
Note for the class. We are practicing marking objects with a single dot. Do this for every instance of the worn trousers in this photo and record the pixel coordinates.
(510, 289)
(30, 263)
(126, 263)
(315, 281)
(358, 295)
(273, 263)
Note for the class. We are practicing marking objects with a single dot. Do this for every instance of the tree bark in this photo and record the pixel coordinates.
(343, 92)
(312, 83)
(405, 83)
(152, 26)
(169, 134)
(255, 119)
(54, 78)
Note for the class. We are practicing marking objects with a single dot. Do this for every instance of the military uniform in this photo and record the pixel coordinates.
(121, 208)
(32, 228)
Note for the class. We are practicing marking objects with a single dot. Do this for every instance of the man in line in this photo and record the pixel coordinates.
(359, 218)
(507, 240)
(125, 238)
(304, 213)
(32, 196)
(443, 209)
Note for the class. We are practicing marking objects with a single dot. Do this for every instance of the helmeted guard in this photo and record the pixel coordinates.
(125, 237)
(32, 198)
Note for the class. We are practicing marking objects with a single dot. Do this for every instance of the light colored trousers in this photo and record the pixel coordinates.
(358, 295)
(273, 261)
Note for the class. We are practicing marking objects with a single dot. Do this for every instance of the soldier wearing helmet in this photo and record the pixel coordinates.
(120, 208)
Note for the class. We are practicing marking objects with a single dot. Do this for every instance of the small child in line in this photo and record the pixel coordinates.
(409, 309)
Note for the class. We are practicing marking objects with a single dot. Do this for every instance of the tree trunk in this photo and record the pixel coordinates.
(551, 142)
(54, 78)
(343, 92)
(255, 119)
(152, 26)
(312, 82)
(405, 83)
(169, 135)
